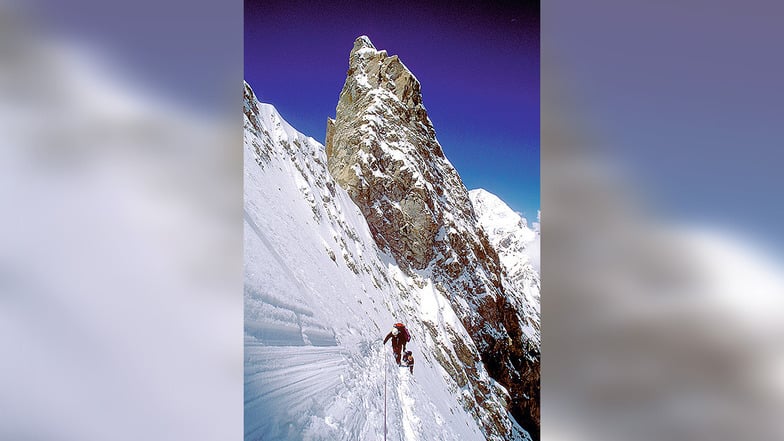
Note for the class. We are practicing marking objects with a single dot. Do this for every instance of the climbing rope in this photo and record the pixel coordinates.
(386, 368)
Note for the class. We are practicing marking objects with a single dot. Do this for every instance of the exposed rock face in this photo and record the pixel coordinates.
(382, 149)
(387, 157)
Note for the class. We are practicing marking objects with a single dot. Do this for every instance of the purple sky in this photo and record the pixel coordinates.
(478, 65)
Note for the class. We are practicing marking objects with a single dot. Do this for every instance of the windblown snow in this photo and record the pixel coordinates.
(319, 299)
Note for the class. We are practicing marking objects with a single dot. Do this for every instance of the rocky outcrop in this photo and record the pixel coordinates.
(382, 149)
(381, 131)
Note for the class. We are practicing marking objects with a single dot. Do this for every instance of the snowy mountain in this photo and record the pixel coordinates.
(382, 148)
(343, 241)
(518, 249)
(508, 231)
(319, 298)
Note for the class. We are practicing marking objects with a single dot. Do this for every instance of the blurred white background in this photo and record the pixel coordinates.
(663, 290)
(120, 239)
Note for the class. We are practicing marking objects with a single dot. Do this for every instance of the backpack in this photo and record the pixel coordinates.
(402, 328)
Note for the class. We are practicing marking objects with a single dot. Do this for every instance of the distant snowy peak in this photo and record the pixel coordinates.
(518, 249)
(516, 243)
(498, 216)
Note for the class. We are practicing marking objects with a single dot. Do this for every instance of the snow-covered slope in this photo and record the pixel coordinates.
(320, 297)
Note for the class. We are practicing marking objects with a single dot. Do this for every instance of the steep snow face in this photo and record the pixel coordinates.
(517, 247)
(320, 297)
(382, 149)
(508, 231)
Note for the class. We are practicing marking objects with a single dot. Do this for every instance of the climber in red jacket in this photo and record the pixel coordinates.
(400, 337)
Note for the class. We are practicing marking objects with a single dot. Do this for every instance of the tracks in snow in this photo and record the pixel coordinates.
(320, 393)
(285, 386)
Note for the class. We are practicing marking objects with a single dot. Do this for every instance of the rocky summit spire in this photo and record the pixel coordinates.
(363, 42)
(382, 149)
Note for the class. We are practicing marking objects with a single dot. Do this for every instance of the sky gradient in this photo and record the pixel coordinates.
(478, 66)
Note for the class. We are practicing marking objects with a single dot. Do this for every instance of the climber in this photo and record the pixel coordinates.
(400, 337)
(408, 361)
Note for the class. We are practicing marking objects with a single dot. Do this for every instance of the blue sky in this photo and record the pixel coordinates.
(478, 65)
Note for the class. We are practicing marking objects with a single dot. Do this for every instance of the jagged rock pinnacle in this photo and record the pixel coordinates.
(382, 139)
(363, 42)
